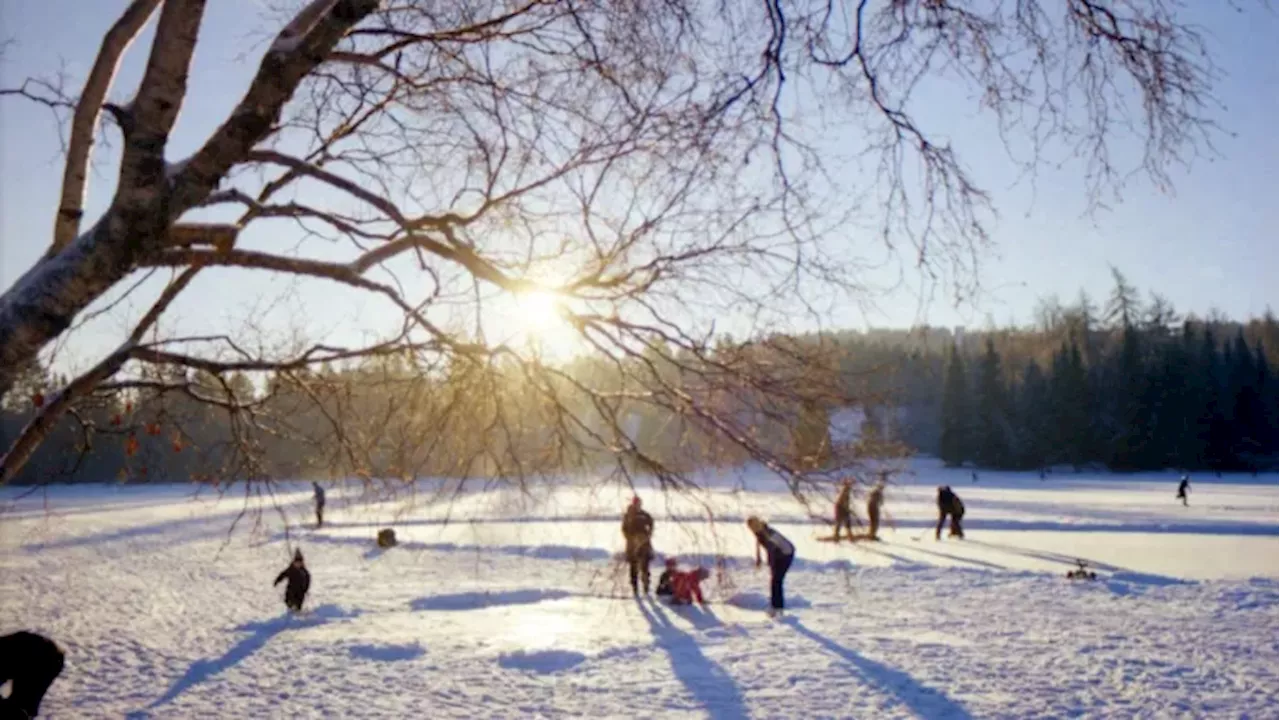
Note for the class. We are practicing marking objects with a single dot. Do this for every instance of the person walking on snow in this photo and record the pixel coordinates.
(949, 505)
(299, 581)
(637, 531)
(1183, 487)
(781, 553)
(319, 492)
(875, 499)
(844, 514)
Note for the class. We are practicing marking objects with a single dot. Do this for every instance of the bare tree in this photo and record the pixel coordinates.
(653, 166)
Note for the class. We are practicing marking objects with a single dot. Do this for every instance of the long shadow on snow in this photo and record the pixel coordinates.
(1118, 573)
(709, 684)
(958, 558)
(199, 527)
(558, 552)
(259, 634)
(923, 700)
(1142, 525)
(480, 600)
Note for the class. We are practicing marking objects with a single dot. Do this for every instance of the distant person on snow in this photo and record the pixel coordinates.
(875, 500)
(781, 553)
(844, 514)
(637, 531)
(31, 663)
(299, 581)
(319, 504)
(664, 580)
(1183, 487)
(949, 505)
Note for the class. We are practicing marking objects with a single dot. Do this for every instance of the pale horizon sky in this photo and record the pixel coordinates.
(1212, 244)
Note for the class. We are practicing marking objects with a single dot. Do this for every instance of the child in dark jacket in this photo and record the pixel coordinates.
(664, 580)
(299, 581)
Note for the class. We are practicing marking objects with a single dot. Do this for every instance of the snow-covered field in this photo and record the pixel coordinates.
(502, 604)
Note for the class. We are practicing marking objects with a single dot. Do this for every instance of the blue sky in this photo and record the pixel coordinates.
(1211, 244)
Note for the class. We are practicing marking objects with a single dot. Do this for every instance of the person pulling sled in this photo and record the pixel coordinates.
(299, 581)
(949, 506)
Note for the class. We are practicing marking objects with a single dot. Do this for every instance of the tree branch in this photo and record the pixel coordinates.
(84, 121)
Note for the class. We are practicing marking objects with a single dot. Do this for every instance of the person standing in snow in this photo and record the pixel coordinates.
(299, 581)
(637, 532)
(29, 663)
(875, 500)
(1183, 487)
(949, 505)
(319, 492)
(781, 553)
(844, 514)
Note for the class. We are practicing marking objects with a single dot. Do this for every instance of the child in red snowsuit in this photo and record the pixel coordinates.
(686, 586)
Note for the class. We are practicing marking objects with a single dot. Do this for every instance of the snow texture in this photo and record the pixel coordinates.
(522, 610)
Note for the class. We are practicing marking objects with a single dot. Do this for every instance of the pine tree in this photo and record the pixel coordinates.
(953, 445)
(1034, 418)
(991, 445)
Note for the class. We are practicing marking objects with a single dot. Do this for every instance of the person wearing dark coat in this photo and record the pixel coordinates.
(637, 531)
(31, 663)
(781, 553)
(664, 580)
(949, 505)
(299, 581)
(844, 514)
(1183, 487)
(319, 492)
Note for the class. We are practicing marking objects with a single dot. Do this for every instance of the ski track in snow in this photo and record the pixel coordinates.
(163, 614)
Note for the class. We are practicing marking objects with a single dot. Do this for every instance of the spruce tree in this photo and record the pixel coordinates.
(953, 445)
(991, 446)
(1034, 417)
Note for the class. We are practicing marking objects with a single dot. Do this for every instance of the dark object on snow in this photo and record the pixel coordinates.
(664, 580)
(31, 662)
(949, 505)
(1082, 572)
(319, 491)
(637, 531)
(299, 581)
(974, 473)
(781, 553)
(386, 538)
(875, 499)
(1183, 487)
(844, 514)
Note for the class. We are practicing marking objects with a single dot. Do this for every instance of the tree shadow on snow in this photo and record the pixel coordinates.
(709, 684)
(1118, 573)
(922, 700)
(259, 634)
(958, 558)
(480, 600)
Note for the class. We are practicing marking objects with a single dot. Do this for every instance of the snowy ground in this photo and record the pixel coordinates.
(504, 605)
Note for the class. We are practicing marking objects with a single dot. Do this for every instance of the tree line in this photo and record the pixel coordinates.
(1140, 391)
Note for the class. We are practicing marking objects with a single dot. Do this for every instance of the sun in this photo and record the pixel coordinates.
(540, 323)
